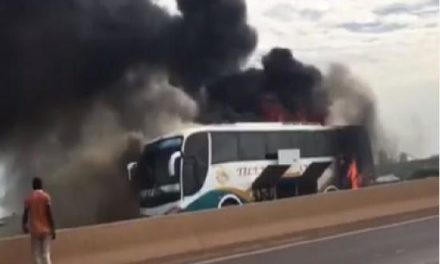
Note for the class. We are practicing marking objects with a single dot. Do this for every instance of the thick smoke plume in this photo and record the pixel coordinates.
(351, 102)
(84, 83)
(76, 75)
(285, 86)
(88, 180)
(59, 56)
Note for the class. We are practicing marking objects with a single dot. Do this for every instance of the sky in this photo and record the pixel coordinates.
(390, 45)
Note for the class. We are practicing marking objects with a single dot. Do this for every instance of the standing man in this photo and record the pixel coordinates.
(38, 221)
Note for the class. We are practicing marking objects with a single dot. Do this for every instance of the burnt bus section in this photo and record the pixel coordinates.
(346, 144)
(354, 146)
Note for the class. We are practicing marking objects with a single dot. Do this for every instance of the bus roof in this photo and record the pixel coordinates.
(237, 127)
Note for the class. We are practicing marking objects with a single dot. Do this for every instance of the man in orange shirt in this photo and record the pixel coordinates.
(38, 220)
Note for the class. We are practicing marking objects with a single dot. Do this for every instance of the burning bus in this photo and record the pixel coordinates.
(232, 164)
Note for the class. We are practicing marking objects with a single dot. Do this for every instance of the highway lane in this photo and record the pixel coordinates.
(411, 242)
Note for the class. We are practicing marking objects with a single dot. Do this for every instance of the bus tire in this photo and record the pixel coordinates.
(331, 188)
(229, 200)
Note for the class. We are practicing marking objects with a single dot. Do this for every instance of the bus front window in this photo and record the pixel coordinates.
(156, 185)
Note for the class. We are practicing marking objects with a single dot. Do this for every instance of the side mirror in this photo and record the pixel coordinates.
(131, 167)
(175, 157)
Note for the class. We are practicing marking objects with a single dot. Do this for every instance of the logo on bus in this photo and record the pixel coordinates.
(221, 176)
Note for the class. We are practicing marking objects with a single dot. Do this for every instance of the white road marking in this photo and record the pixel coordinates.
(306, 242)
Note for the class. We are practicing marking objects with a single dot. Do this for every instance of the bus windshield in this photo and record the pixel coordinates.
(153, 165)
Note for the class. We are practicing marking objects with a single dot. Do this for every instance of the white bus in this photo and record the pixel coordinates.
(215, 166)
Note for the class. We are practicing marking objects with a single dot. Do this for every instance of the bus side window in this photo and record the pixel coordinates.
(297, 140)
(224, 147)
(304, 141)
(276, 141)
(195, 160)
(252, 146)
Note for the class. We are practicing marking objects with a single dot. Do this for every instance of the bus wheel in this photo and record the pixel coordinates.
(229, 200)
(331, 188)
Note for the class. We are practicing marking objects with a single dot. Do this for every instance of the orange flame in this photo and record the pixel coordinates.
(354, 176)
(273, 111)
(300, 116)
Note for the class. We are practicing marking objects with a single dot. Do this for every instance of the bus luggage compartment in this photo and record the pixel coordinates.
(271, 184)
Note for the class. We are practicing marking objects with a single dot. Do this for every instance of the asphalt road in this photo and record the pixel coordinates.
(411, 242)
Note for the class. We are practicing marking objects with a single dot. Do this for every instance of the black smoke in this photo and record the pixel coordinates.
(77, 77)
(62, 61)
(59, 56)
(211, 39)
(287, 81)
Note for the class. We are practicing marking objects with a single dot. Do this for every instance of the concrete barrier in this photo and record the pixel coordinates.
(146, 239)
